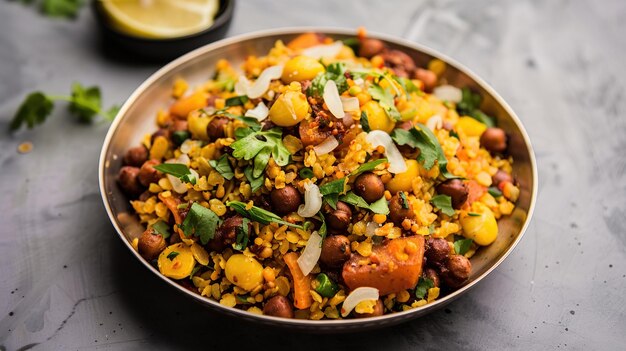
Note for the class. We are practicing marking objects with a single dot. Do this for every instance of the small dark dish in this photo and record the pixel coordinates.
(163, 49)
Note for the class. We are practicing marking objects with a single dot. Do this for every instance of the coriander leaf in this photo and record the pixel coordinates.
(379, 206)
(172, 255)
(86, 102)
(422, 287)
(251, 146)
(61, 8)
(353, 43)
(194, 271)
(331, 200)
(470, 106)
(255, 183)
(407, 85)
(335, 72)
(385, 100)
(403, 200)
(323, 230)
(112, 112)
(242, 236)
(252, 122)
(461, 246)
(454, 134)
(260, 161)
(33, 110)
(444, 203)
(162, 228)
(367, 167)
(258, 214)
(365, 123)
(494, 191)
(473, 214)
(335, 187)
(428, 151)
(236, 101)
(178, 170)
(306, 173)
(241, 133)
(200, 222)
(222, 166)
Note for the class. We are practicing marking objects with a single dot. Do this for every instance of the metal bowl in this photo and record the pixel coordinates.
(137, 117)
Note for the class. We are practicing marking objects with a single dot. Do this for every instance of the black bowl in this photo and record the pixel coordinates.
(161, 50)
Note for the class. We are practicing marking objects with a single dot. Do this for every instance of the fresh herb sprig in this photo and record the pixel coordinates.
(335, 72)
(222, 166)
(421, 290)
(84, 102)
(200, 222)
(178, 170)
(258, 214)
(385, 100)
(260, 145)
(444, 203)
(462, 246)
(469, 106)
(379, 206)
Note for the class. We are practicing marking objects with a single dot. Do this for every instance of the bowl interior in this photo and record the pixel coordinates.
(137, 117)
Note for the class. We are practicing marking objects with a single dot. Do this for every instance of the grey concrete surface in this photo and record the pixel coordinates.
(68, 283)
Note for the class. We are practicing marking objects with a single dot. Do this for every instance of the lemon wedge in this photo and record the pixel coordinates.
(160, 19)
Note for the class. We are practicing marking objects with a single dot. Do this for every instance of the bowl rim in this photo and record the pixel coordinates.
(384, 319)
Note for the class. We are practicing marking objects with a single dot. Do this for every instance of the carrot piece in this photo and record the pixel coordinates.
(183, 106)
(475, 191)
(304, 41)
(172, 205)
(301, 282)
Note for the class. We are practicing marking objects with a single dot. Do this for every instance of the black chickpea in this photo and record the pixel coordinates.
(278, 306)
(437, 251)
(501, 177)
(128, 180)
(370, 47)
(136, 156)
(148, 174)
(493, 139)
(285, 200)
(400, 209)
(456, 271)
(151, 244)
(430, 273)
(340, 218)
(369, 186)
(456, 189)
(335, 251)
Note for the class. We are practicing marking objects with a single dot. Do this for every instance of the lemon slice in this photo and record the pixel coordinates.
(160, 19)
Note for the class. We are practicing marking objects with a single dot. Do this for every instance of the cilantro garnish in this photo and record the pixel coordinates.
(461, 246)
(494, 191)
(243, 236)
(255, 183)
(236, 101)
(162, 228)
(178, 170)
(385, 99)
(430, 149)
(260, 145)
(367, 167)
(379, 206)
(172, 255)
(258, 214)
(200, 222)
(61, 8)
(335, 72)
(403, 200)
(422, 287)
(365, 123)
(85, 103)
(222, 166)
(306, 173)
(444, 203)
(469, 106)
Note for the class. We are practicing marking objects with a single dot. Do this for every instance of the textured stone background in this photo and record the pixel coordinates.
(68, 283)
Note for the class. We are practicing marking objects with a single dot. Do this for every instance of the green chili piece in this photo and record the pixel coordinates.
(324, 286)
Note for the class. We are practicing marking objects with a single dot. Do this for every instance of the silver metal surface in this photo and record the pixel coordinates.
(136, 118)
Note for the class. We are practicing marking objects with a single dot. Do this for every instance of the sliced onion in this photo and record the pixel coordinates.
(370, 229)
(360, 82)
(324, 51)
(188, 145)
(260, 86)
(312, 201)
(311, 253)
(242, 86)
(434, 122)
(350, 104)
(329, 144)
(177, 184)
(358, 295)
(260, 112)
(348, 120)
(448, 93)
(332, 99)
(396, 161)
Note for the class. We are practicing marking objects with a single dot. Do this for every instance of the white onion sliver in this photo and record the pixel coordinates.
(350, 104)
(311, 254)
(396, 161)
(260, 112)
(356, 296)
(348, 120)
(324, 51)
(370, 229)
(260, 86)
(312, 201)
(242, 86)
(329, 144)
(448, 93)
(177, 185)
(360, 82)
(434, 122)
(332, 99)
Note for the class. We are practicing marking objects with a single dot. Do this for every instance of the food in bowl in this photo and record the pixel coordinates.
(330, 180)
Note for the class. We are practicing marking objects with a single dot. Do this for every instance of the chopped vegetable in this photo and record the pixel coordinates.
(301, 283)
(252, 147)
(444, 203)
(356, 296)
(258, 214)
(422, 287)
(325, 286)
(311, 254)
(368, 166)
(222, 166)
(334, 72)
(306, 173)
(255, 182)
(461, 246)
(365, 124)
(200, 222)
(177, 170)
(236, 101)
(379, 206)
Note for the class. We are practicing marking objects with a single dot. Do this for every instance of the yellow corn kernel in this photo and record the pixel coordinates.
(377, 117)
(483, 229)
(154, 188)
(228, 300)
(483, 178)
(301, 68)
(470, 127)
(380, 218)
(404, 181)
(159, 148)
(179, 88)
(437, 66)
(433, 293)
(217, 206)
(363, 98)
(403, 296)
(510, 191)
(364, 248)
